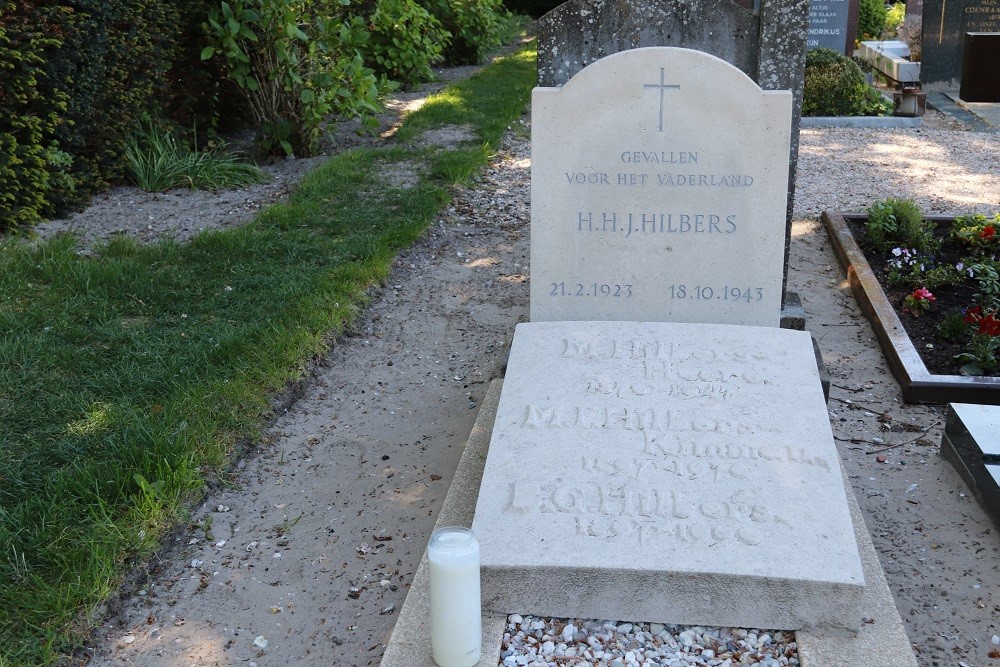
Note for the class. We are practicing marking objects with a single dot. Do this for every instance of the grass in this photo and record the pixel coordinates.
(159, 161)
(128, 378)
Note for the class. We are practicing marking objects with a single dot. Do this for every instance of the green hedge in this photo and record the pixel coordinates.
(28, 118)
(476, 27)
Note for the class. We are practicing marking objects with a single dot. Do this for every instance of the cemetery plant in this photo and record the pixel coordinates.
(297, 64)
(872, 18)
(75, 81)
(159, 160)
(131, 377)
(835, 86)
(945, 274)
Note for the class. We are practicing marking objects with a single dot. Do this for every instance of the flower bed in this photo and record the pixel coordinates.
(932, 298)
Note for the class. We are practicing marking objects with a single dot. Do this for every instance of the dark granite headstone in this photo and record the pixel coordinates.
(766, 39)
(945, 23)
(829, 22)
(981, 67)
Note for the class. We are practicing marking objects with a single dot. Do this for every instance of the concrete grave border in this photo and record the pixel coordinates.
(881, 641)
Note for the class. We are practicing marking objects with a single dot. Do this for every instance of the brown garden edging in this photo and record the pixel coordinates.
(917, 383)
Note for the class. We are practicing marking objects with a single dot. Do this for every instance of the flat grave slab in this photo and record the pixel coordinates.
(669, 472)
(659, 183)
(971, 442)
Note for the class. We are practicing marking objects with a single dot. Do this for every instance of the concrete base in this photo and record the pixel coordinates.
(971, 442)
(882, 642)
(882, 122)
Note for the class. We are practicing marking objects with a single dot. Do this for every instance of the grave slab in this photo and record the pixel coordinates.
(658, 186)
(881, 642)
(694, 463)
(971, 442)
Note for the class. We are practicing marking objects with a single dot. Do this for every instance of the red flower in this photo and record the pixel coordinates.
(989, 231)
(973, 314)
(989, 325)
(923, 294)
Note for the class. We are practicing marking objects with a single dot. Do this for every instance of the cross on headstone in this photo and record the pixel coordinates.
(662, 86)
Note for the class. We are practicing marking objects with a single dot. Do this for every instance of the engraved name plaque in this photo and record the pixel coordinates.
(671, 472)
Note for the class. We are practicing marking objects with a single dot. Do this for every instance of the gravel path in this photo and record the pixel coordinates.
(316, 541)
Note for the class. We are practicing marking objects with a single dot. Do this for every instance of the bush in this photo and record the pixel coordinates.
(899, 223)
(28, 119)
(113, 57)
(894, 17)
(405, 40)
(296, 63)
(476, 27)
(872, 16)
(836, 86)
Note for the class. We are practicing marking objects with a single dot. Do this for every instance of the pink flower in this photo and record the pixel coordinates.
(923, 294)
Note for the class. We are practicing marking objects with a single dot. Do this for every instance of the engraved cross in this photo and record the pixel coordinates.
(663, 87)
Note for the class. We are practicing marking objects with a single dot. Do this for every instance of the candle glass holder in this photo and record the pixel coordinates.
(456, 603)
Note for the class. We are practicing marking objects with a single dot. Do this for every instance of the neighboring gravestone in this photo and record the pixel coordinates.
(828, 26)
(669, 472)
(763, 38)
(945, 23)
(981, 68)
(658, 184)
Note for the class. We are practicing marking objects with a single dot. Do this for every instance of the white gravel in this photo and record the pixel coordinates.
(553, 642)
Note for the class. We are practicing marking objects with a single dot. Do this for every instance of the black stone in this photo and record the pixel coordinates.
(833, 24)
(767, 43)
(945, 23)
(981, 67)
(979, 470)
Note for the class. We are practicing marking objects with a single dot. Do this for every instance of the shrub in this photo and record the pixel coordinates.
(296, 63)
(911, 31)
(836, 86)
(900, 223)
(476, 27)
(872, 16)
(894, 17)
(29, 157)
(405, 40)
(113, 57)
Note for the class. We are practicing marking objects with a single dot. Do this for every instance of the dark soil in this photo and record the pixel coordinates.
(937, 353)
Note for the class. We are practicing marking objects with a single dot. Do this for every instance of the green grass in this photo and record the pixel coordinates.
(128, 377)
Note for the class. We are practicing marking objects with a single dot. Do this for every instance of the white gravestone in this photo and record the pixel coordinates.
(668, 472)
(658, 192)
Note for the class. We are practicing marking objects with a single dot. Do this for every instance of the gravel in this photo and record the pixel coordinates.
(553, 642)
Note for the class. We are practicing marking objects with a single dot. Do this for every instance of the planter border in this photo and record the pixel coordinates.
(917, 383)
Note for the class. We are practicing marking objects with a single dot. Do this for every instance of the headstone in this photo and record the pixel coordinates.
(668, 472)
(658, 185)
(763, 38)
(828, 25)
(971, 441)
(945, 24)
(981, 68)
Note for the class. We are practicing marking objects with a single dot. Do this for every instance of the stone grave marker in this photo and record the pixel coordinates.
(668, 472)
(658, 186)
(829, 25)
(945, 24)
(765, 39)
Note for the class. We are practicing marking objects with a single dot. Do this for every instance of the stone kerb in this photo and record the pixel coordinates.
(658, 186)
(668, 472)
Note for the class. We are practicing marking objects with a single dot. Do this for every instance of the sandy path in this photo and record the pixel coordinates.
(324, 525)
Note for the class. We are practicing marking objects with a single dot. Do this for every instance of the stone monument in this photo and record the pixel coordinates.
(945, 24)
(765, 39)
(658, 185)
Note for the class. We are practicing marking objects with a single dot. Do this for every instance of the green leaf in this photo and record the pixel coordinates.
(307, 95)
(207, 52)
(971, 369)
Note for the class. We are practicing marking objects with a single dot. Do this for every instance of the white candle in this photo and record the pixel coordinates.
(456, 605)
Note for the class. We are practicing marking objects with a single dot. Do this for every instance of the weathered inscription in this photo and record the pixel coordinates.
(612, 512)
